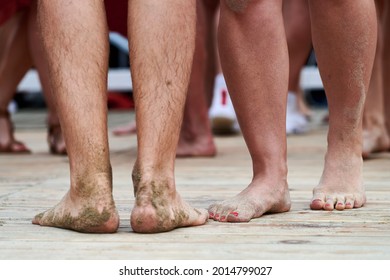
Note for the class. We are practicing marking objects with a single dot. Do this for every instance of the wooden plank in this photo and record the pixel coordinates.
(30, 184)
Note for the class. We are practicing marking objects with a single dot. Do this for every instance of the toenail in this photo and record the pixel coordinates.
(217, 216)
(234, 214)
(223, 218)
(211, 215)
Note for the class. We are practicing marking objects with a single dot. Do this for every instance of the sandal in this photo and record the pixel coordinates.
(56, 140)
(13, 146)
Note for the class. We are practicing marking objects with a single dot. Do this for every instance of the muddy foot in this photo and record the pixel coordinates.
(160, 209)
(95, 214)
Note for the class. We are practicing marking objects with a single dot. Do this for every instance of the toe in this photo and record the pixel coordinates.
(318, 201)
(349, 202)
(37, 219)
(340, 203)
(214, 212)
(359, 201)
(238, 217)
(329, 204)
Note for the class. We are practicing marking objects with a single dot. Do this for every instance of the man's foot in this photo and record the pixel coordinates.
(253, 202)
(196, 148)
(89, 210)
(159, 208)
(55, 140)
(341, 185)
(375, 141)
(126, 129)
(193, 146)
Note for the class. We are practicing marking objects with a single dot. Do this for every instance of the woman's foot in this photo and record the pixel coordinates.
(259, 198)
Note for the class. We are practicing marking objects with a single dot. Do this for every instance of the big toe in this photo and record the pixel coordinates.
(317, 202)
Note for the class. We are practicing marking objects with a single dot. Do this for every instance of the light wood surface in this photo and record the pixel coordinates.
(29, 184)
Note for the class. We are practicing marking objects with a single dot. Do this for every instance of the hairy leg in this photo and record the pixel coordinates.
(75, 44)
(344, 37)
(15, 61)
(257, 80)
(161, 53)
(375, 136)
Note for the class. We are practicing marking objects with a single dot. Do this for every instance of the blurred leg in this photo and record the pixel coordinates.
(15, 61)
(375, 135)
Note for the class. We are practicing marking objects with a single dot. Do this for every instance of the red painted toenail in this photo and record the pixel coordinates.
(223, 218)
(211, 215)
(234, 214)
(217, 216)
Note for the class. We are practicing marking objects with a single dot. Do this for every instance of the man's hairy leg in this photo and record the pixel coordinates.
(255, 62)
(161, 54)
(76, 45)
(344, 36)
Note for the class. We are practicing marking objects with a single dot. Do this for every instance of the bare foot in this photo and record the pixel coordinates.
(254, 201)
(127, 129)
(199, 146)
(375, 141)
(341, 184)
(159, 208)
(8, 144)
(90, 210)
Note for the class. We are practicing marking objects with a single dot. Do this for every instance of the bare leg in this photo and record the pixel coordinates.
(375, 136)
(76, 45)
(386, 63)
(297, 24)
(344, 37)
(196, 138)
(55, 138)
(161, 53)
(15, 61)
(257, 80)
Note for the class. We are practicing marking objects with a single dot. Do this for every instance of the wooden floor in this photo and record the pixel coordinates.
(30, 184)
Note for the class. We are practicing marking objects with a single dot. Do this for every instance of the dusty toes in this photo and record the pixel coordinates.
(321, 201)
(229, 213)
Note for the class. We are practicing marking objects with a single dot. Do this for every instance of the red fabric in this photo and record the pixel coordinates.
(9, 7)
(117, 15)
(116, 12)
